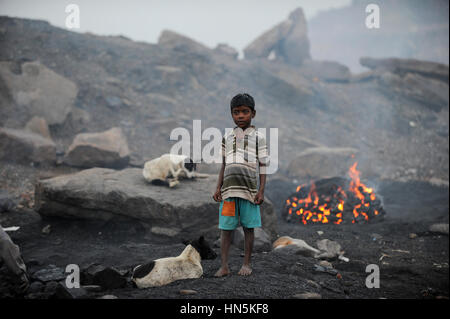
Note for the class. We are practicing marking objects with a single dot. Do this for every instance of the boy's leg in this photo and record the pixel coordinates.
(250, 217)
(225, 242)
(246, 268)
(228, 221)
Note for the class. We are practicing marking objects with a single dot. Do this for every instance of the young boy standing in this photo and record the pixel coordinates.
(244, 151)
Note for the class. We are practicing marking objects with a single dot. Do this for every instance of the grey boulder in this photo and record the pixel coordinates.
(329, 71)
(288, 41)
(26, 147)
(103, 149)
(321, 162)
(37, 90)
(186, 211)
(402, 66)
(439, 228)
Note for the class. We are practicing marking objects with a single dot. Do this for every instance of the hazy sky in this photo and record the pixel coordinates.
(235, 22)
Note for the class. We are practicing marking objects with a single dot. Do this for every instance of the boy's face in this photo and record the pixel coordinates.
(242, 116)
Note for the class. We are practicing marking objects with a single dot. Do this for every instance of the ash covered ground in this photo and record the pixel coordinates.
(411, 266)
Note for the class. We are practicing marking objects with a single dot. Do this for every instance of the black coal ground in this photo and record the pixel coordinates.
(409, 268)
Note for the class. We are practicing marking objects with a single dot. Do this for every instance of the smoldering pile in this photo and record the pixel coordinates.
(334, 200)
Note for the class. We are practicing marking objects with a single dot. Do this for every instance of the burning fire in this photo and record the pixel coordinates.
(358, 199)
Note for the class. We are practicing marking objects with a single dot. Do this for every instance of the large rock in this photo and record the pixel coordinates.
(39, 126)
(429, 92)
(39, 91)
(185, 211)
(439, 228)
(175, 41)
(401, 66)
(26, 147)
(51, 273)
(105, 277)
(288, 41)
(269, 41)
(322, 162)
(104, 149)
(325, 70)
(225, 49)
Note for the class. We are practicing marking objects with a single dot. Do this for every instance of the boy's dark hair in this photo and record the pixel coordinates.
(243, 99)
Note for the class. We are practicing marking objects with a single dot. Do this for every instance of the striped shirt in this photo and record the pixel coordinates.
(243, 151)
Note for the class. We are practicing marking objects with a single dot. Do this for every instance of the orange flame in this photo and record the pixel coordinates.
(320, 209)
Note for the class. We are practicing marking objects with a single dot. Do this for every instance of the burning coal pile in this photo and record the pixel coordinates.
(334, 200)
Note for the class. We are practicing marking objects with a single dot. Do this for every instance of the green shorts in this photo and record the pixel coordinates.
(234, 210)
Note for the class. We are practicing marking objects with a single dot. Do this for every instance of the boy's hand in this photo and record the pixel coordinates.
(259, 198)
(218, 195)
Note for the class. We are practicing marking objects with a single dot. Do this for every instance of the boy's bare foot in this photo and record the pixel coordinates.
(246, 270)
(223, 271)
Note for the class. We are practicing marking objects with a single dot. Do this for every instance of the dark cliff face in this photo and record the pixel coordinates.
(150, 89)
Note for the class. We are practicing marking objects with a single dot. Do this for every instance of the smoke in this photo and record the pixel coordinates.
(409, 29)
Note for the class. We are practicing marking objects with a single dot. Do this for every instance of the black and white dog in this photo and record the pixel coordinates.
(168, 168)
(163, 271)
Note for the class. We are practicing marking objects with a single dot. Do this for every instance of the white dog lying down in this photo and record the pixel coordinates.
(303, 248)
(166, 169)
(328, 249)
(163, 271)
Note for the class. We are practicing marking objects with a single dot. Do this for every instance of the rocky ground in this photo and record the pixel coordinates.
(395, 116)
(413, 261)
(72, 101)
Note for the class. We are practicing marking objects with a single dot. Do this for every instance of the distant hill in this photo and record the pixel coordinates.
(396, 115)
(408, 29)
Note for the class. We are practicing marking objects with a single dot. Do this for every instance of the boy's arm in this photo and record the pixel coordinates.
(222, 171)
(262, 156)
(218, 194)
(259, 198)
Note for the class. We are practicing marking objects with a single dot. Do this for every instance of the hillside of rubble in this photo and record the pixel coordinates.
(80, 114)
(395, 115)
